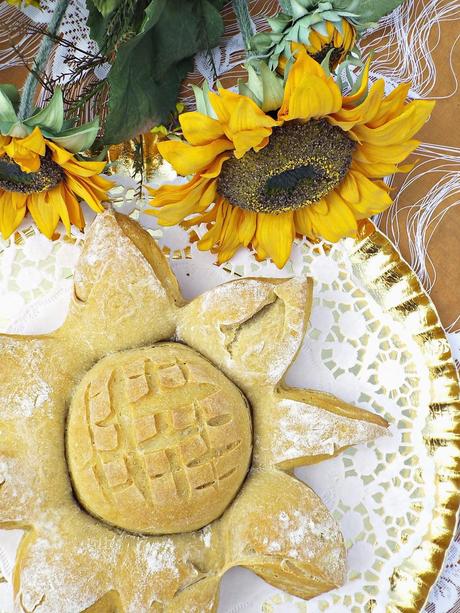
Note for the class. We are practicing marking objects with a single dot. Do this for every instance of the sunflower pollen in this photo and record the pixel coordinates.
(13, 179)
(302, 163)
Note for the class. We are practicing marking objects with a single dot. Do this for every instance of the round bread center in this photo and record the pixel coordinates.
(158, 440)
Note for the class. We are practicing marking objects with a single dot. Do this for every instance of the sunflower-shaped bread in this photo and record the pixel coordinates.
(147, 445)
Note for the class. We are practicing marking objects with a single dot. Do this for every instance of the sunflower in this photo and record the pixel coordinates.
(333, 39)
(315, 170)
(320, 30)
(39, 176)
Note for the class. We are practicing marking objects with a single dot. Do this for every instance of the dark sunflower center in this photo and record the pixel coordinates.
(334, 58)
(300, 165)
(13, 179)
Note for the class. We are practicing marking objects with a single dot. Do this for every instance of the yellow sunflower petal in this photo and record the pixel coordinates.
(338, 223)
(248, 126)
(335, 35)
(199, 129)
(391, 106)
(57, 198)
(189, 159)
(315, 42)
(26, 151)
(309, 92)
(85, 191)
(195, 198)
(4, 140)
(12, 211)
(302, 220)
(170, 193)
(256, 139)
(33, 142)
(215, 167)
(247, 226)
(58, 154)
(363, 196)
(212, 236)
(348, 118)
(84, 169)
(320, 207)
(399, 129)
(224, 104)
(73, 206)
(376, 170)
(389, 154)
(42, 207)
(353, 98)
(229, 239)
(275, 234)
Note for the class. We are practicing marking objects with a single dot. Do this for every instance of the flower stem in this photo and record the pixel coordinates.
(30, 86)
(244, 22)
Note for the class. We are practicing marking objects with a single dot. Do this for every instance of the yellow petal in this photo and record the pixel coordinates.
(309, 93)
(247, 226)
(256, 139)
(399, 129)
(4, 140)
(316, 42)
(34, 142)
(224, 104)
(194, 198)
(26, 151)
(44, 213)
(353, 98)
(364, 197)
(229, 240)
(86, 191)
(248, 126)
(389, 154)
(275, 234)
(338, 223)
(391, 106)
(302, 220)
(320, 207)
(349, 189)
(58, 154)
(215, 167)
(73, 206)
(348, 118)
(212, 236)
(376, 170)
(199, 129)
(12, 211)
(189, 159)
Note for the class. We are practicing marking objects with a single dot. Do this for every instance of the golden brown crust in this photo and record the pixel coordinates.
(296, 427)
(158, 440)
(250, 328)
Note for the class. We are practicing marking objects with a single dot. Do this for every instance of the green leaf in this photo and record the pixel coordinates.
(7, 112)
(106, 6)
(51, 116)
(147, 71)
(367, 11)
(202, 103)
(77, 139)
(12, 93)
(97, 23)
(152, 14)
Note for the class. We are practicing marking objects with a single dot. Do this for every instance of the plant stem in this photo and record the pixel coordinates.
(29, 90)
(244, 21)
